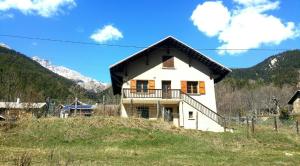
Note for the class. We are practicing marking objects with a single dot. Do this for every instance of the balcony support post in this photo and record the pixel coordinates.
(157, 109)
(131, 106)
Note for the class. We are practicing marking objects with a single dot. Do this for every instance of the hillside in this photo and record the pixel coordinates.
(120, 141)
(22, 77)
(278, 69)
(253, 88)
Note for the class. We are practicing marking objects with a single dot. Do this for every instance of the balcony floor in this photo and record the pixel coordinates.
(150, 101)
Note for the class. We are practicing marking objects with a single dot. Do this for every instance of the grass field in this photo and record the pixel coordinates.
(116, 141)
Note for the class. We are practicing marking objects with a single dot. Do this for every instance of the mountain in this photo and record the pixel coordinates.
(4, 45)
(85, 82)
(250, 91)
(22, 77)
(280, 69)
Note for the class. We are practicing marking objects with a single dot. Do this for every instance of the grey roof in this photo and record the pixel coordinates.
(218, 69)
(16, 105)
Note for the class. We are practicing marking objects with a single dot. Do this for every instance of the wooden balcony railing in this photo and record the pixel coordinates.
(152, 93)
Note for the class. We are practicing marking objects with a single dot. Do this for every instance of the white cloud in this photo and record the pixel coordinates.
(249, 25)
(44, 8)
(203, 14)
(107, 33)
(251, 2)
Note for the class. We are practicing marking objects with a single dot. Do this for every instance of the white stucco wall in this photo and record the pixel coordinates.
(199, 121)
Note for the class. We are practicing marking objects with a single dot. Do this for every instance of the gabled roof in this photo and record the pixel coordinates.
(295, 96)
(80, 105)
(166, 43)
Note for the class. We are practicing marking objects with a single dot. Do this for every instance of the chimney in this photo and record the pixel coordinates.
(18, 100)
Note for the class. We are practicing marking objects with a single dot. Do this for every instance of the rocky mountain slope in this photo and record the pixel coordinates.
(84, 81)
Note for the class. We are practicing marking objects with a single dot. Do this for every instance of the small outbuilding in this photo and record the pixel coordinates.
(295, 102)
(16, 110)
(77, 108)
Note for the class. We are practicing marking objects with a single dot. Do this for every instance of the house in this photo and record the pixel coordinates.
(170, 80)
(295, 102)
(16, 110)
(77, 108)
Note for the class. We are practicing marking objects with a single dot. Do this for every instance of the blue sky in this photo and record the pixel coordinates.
(248, 24)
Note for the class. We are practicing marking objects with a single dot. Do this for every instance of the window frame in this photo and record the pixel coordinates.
(191, 115)
(191, 88)
(142, 86)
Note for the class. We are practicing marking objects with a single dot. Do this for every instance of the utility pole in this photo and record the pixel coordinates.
(275, 112)
(297, 126)
(103, 103)
(47, 106)
(75, 112)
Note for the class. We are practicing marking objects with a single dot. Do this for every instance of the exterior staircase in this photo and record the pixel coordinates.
(204, 110)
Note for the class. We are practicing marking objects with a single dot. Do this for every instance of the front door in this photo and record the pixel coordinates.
(168, 114)
(166, 90)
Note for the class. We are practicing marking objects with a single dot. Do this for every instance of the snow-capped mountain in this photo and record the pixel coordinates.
(4, 45)
(84, 81)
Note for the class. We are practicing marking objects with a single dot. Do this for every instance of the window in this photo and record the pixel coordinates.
(191, 115)
(192, 87)
(143, 112)
(168, 61)
(141, 86)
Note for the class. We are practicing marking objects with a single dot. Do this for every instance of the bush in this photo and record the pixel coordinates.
(284, 115)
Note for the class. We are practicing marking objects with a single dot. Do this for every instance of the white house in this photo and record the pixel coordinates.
(172, 81)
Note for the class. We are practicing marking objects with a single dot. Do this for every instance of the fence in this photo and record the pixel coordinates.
(271, 122)
(106, 110)
(103, 107)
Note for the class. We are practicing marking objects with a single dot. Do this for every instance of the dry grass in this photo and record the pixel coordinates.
(118, 141)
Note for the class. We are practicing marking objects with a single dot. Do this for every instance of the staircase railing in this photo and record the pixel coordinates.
(203, 109)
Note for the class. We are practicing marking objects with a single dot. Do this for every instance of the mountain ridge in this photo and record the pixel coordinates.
(85, 82)
(279, 69)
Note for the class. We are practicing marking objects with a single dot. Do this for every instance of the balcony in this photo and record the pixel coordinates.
(152, 93)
